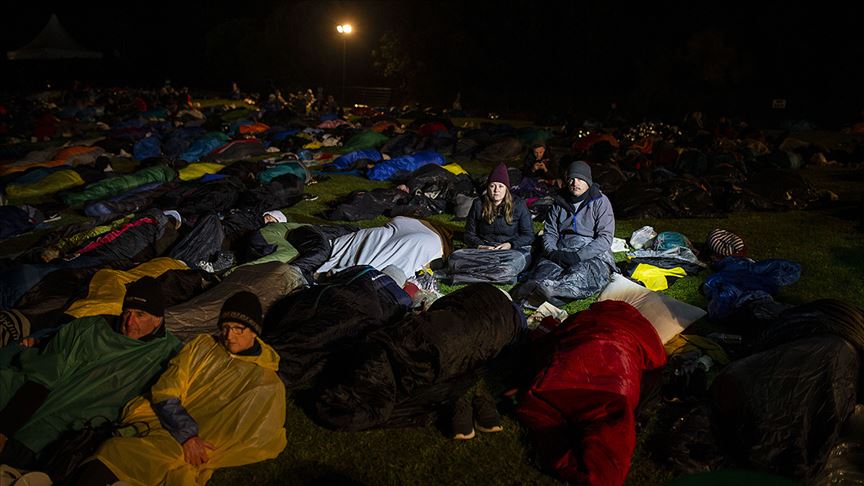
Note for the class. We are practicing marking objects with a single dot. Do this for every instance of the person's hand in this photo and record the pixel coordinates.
(503, 246)
(485, 247)
(29, 342)
(571, 258)
(557, 257)
(564, 258)
(540, 166)
(195, 450)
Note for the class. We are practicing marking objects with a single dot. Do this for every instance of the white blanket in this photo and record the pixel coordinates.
(404, 242)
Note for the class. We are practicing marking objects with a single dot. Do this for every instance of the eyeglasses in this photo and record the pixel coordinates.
(238, 329)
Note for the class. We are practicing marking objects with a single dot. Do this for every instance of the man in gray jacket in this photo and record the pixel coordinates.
(577, 243)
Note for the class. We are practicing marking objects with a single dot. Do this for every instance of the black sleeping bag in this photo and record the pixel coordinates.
(403, 372)
(282, 192)
(205, 240)
(307, 327)
(313, 245)
(366, 204)
(781, 410)
(194, 198)
(826, 316)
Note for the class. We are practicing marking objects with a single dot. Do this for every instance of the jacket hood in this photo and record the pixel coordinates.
(563, 197)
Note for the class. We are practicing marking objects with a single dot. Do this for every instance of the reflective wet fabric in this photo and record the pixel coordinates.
(91, 371)
(237, 401)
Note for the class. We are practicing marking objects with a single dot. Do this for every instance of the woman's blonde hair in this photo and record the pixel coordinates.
(490, 211)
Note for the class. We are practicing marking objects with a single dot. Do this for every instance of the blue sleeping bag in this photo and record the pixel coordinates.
(147, 147)
(348, 160)
(200, 148)
(741, 280)
(386, 169)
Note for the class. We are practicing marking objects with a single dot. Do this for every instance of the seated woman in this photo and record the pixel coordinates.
(219, 404)
(498, 232)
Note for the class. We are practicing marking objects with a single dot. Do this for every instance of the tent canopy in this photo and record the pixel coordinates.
(53, 43)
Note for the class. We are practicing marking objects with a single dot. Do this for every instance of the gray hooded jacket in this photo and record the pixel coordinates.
(586, 227)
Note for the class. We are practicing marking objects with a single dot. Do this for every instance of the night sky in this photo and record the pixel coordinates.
(513, 56)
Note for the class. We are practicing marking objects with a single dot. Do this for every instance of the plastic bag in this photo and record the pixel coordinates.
(845, 464)
(545, 310)
(641, 237)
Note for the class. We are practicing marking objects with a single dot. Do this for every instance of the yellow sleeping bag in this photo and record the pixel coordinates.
(198, 170)
(53, 182)
(108, 287)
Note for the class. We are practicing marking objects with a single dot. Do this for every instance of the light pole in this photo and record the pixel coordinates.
(344, 31)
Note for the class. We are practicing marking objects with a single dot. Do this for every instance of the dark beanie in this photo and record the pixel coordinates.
(499, 174)
(242, 308)
(145, 294)
(580, 170)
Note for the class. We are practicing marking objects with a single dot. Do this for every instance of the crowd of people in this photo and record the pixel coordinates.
(182, 311)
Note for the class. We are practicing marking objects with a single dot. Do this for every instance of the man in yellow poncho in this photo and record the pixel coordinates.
(219, 404)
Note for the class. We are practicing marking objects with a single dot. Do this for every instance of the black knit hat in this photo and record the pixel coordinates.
(242, 308)
(145, 294)
(580, 170)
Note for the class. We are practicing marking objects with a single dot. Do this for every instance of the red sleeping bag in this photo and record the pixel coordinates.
(580, 407)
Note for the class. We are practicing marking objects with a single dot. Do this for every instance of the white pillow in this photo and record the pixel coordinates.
(668, 316)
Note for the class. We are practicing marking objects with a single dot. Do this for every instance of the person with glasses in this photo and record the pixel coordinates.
(577, 243)
(219, 404)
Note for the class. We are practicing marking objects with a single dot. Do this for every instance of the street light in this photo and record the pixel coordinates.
(344, 30)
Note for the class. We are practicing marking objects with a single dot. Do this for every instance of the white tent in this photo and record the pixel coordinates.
(53, 43)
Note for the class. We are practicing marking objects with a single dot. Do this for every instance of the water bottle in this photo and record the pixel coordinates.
(705, 363)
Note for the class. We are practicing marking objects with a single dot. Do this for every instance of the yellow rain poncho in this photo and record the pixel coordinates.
(237, 401)
(456, 169)
(654, 278)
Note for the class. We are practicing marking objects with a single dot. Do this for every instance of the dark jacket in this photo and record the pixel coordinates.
(552, 171)
(479, 232)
